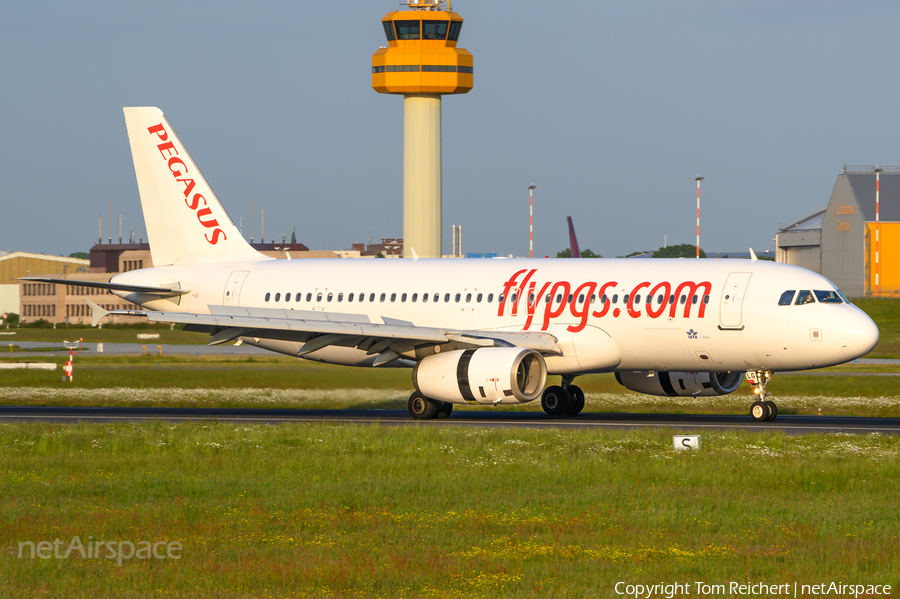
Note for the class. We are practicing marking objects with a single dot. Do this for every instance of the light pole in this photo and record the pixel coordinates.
(698, 179)
(878, 172)
(531, 189)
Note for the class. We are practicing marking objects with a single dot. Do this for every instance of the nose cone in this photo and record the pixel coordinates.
(858, 334)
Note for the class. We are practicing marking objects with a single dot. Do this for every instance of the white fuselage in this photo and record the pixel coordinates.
(703, 315)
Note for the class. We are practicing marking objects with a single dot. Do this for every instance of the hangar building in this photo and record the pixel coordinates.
(840, 241)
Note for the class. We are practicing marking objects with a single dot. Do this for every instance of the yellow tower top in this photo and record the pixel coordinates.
(421, 56)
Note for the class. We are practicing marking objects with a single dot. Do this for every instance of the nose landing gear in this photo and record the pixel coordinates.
(762, 409)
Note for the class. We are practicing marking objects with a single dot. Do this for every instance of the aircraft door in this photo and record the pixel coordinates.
(730, 308)
(232, 294)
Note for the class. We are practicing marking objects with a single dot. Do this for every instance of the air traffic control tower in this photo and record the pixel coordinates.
(422, 63)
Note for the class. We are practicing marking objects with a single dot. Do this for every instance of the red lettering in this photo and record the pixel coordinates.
(588, 289)
(160, 131)
(188, 186)
(657, 312)
(531, 305)
(506, 288)
(634, 292)
(549, 311)
(521, 291)
(215, 236)
(167, 148)
(605, 305)
(692, 289)
(176, 160)
(196, 201)
(206, 223)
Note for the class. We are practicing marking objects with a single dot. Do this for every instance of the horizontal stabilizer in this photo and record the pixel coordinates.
(160, 291)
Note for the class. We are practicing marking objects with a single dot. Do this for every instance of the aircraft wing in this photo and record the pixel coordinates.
(160, 291)
(317, 330)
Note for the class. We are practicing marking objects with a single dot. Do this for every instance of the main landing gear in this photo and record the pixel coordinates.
(762, 409)
(423, 408)
(566, 399)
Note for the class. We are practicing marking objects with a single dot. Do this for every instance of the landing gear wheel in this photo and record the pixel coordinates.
(773, 409)
(420, 407)
(444, 410)
(759, 411)
(576, 400)
(555, 400)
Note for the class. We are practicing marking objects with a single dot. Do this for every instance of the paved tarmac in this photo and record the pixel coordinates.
(681, 423)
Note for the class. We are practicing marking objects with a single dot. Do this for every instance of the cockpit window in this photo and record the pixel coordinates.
(843, 297)
(828, 297)
(786, 298)
(805, 297)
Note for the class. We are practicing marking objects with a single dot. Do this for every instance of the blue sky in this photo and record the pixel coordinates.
(611, 109)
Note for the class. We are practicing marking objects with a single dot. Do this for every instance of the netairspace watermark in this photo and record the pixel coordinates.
(119, 551)
(754, 589)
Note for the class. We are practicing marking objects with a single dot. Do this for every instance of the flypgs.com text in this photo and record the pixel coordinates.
(556, 297)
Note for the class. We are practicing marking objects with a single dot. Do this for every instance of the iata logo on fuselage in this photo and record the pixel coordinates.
(556, 297)
(179, 170)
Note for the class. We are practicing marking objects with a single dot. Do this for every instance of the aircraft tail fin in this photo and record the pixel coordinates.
(573, 241)
(185, 222)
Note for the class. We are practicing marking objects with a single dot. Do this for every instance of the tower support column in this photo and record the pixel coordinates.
(422, 175)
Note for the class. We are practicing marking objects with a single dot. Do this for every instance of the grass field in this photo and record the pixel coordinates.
(281, 382)
(423, 511)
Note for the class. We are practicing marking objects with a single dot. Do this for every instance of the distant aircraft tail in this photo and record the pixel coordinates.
(185, 222)
(573, 241)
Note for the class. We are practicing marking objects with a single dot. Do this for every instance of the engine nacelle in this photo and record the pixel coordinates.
(490, 375)
(675, 384)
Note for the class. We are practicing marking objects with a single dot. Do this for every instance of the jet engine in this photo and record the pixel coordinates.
(489, 375)
(680, 383)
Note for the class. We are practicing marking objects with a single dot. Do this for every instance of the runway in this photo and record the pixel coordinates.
(675, 422)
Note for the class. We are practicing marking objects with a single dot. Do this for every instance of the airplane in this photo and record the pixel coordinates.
(478, 332)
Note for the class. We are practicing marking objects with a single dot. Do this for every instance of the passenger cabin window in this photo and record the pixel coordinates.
(407, 30)
(804, 297)
(393, 297)
(828, 297)
(786, 298)
(277, 297)
(268, 295)
(435, 30)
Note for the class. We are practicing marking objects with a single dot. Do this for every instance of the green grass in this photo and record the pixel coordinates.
(116, 333)
(886, 314)
(424, 511)
(281, 382)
